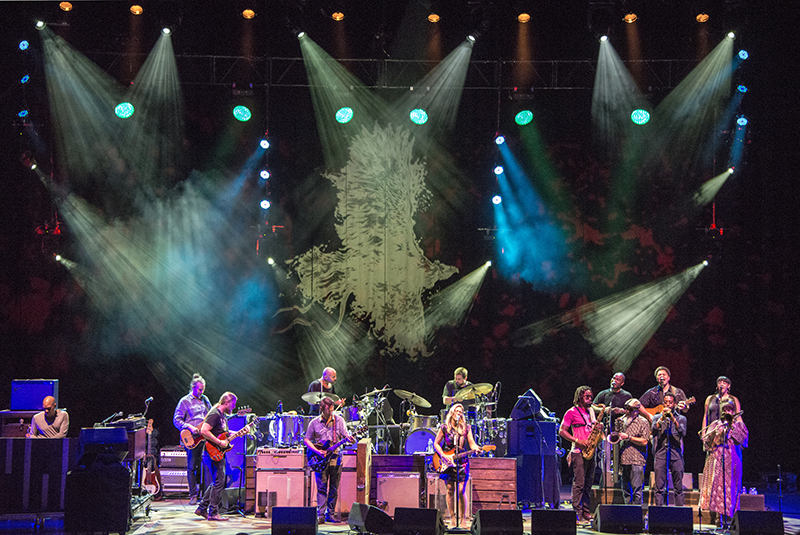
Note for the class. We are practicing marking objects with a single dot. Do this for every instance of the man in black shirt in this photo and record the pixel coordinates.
(654, 397)
(451, 388)
(215, 424)
(613, 406)
(323, 384)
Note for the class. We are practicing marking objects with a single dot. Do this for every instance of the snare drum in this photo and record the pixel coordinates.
(418, 421)
(286, 430)
(351, 414)
(419, 440)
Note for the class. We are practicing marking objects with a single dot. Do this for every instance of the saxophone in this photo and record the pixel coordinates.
(594, 439)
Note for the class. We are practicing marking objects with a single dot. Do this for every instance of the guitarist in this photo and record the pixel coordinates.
(455, 436)
(215, 424)
(189, 414)
(324, 431)
(655, 396)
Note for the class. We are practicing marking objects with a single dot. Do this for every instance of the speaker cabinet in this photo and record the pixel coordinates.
(757, 523)
(498, 522)
(294, 521)
(549, 521)
(365, 518)
(670, 519)
(414, 521)
(618, 519)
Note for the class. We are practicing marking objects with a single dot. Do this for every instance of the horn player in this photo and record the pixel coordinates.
(633, 437)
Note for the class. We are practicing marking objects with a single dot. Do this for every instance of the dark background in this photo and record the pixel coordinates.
(739, 317)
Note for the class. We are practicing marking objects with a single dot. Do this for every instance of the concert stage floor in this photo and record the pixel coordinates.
(175, 516)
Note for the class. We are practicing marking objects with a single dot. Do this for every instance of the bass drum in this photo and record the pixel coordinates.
(420, 441)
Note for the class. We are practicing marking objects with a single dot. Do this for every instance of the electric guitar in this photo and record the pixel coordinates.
(191, 440)
(440, 465)
(680, 406)
(152, 476)
(317, 462)
(217, 453)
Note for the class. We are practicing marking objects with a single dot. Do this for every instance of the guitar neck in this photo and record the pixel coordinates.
(241, 431)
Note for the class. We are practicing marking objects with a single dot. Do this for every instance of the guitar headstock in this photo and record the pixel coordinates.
(149, 426)
(244, 410)
(686, 404)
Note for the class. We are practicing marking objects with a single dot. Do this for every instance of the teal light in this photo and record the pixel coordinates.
(640, 116)
(418, 116)
(124, 110)
(524, 117)
(242, 113)
(344, 115)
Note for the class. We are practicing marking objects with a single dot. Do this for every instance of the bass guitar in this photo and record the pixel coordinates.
(217, 453)
(317, 462)
(151, 479)
(680, 406)
(440, 465)
(191, 440)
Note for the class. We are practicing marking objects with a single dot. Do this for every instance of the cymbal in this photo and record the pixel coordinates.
(376, 392)
(412, 398)
(315, 397)
(469, 392)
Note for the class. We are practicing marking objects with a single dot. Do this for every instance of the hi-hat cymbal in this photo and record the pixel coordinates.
(315, 397)
(376, 392)
(470, 391)
(412, 398)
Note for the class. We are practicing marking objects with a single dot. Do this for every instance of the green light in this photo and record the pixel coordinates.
(242, 113)
(124, 110)
(344, 115)
(640, 116)
(524, 117)
(418, 116)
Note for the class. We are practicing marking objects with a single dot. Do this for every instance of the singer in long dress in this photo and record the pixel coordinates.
(722, 476)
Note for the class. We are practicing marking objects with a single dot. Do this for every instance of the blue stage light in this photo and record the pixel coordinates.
(498, 170)
(500, 140)
(264, 144)
(344, 115)
(24, 79)
(743, 54)
(741, 121)
(242, 113)
(640, 116)
(123, 110)
(23, 45)
(23, 113)
(741, 89)
(264, 174)
(418, 116)
(265, 204)
(497, 199)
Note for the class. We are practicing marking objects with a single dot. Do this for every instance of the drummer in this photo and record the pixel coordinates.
(451, 388)
(324, 384)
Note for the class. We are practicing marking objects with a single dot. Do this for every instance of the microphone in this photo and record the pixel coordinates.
(148, 400)
(112, 417)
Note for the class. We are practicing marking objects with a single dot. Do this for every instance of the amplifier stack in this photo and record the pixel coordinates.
(173, 470)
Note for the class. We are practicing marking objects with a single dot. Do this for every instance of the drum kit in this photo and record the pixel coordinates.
(372, 410)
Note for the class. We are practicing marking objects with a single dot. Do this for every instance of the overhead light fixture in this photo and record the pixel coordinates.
(524, 17)
(65, 6)
(433, 17)
(630, 18)
(248, 14)
(338, 16)
(40, 24)
(136, 9)
(702, 17)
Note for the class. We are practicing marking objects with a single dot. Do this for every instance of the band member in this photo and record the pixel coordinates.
(327, 428)
(669, 428)
(613, 398)
(576, 427)
(192, 409)
(214, 425)
(323, 384)
(720, 397)
(50, 422)
(452, 387)
(722, 476)
(455, 436)
(655, 396)
(634, 437)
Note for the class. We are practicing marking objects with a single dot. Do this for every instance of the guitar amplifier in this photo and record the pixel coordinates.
(398, 489)
(173, 457)
(280, 458)
(174, 480)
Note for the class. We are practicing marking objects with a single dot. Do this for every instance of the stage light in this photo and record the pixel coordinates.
(702, 17)
(24, 79)
(248, 14)
(123, 110)
(705, 262)
(471, 38)
(433, 17)
(344, 115)
(418, 116)
(743, 54)
(166, 31)
(731, 35)
(27, 160)
(65, 6)
(630, 18)
(488, 263)
(741, 88)
(265, 204)
(497, 199)
(604, 38)
(301, 34)
(22, 113)
(524, 17)
(338, 16)
(264, 143)
(742, 120)
(730, 170)
(23, 45)
(242, 113)
(58, 258)
(264, 174)
(640, 116)
(136, 9)
(498, 170)
(270, 261)
(40, 24)
(524, 117)
(499, 139)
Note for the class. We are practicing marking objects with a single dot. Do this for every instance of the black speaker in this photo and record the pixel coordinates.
(411, 521)
(365, 518)
(527, 407)
(670, 519)
(497, 521)
(294, 521)
(547, 521)
(94, 441)
(757, 523)
(618, 519)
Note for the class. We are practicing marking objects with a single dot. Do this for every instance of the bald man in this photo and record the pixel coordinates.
(324, 384)
(50, 423)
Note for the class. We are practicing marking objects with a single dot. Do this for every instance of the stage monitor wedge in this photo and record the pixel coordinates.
(497, 522)
(674, 520)
(618, 519)
(553, 521)
(416, 521)
(294, 521)
(365, 518)
(757, 523)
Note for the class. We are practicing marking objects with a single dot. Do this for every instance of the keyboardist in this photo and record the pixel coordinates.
(50, 423)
